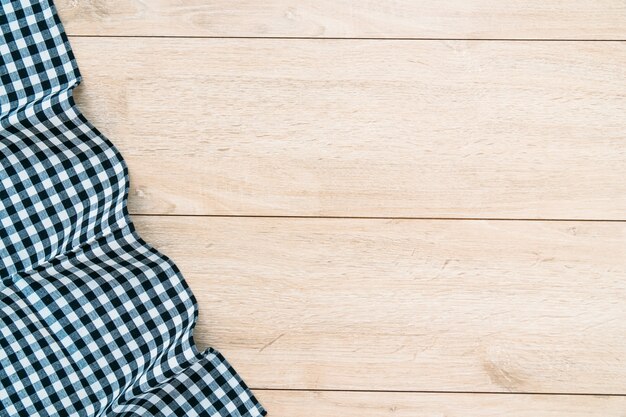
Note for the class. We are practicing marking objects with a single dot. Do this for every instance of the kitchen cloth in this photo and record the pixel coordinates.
(93, 320)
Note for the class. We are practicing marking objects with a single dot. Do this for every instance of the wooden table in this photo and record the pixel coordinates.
(384, 208)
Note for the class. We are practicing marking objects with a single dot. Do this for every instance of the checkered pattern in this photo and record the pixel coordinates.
(93, 321)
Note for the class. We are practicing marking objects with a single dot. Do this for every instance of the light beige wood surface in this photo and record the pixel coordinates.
(341, 316)
(364, 127)
(385, 404)
(475, 19)
(492, 306)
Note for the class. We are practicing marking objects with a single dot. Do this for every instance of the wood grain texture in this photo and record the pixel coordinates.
(403, 305)
(364, 128)
(472, 19)
(385, 404)
(381, 128)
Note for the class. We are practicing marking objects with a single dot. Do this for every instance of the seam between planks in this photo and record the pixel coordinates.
(563, 394)
(503, 219)
(351, 38)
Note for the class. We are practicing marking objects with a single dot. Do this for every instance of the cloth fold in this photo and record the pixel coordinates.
(93, 320)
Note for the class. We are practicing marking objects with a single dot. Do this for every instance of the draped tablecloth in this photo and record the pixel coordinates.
(93, 320)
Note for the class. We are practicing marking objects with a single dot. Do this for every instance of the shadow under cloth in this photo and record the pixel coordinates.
(93, 320)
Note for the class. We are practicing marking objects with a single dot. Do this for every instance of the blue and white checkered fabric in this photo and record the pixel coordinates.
(93, 321)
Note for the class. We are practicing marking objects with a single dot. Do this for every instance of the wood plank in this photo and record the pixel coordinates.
(364, 128)
(471, 19)
(381, 404)
(402, 305)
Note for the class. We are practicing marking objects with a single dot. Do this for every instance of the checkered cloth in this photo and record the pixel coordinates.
(93, 321)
